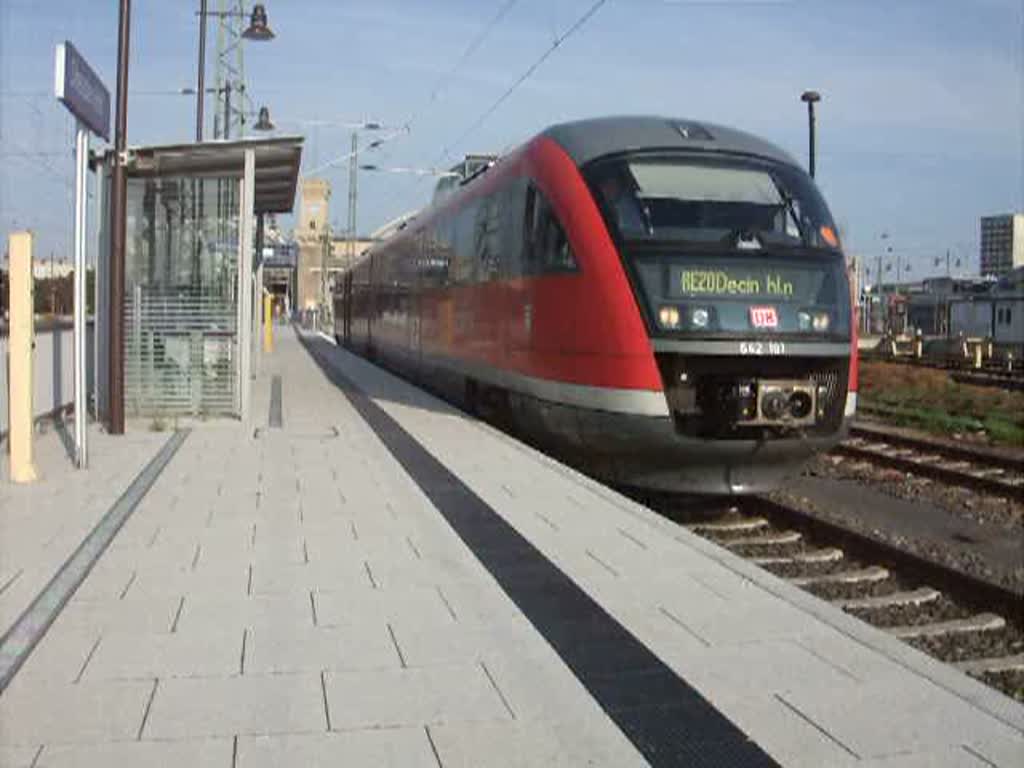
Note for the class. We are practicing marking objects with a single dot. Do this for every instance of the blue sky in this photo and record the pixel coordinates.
(921, 127)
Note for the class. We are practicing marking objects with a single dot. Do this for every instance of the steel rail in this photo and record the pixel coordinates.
(978, 593)
(965, 478)
(995, 458)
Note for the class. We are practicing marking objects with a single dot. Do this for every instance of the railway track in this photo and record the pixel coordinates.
(1009, 380)
(993, 374)
(960, 619)
(989, 471)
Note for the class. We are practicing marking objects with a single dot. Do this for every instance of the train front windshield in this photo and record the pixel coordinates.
(725, 247)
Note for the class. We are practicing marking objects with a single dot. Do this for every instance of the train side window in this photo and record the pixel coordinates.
(487, 238)
(546, 247)
(463, 263)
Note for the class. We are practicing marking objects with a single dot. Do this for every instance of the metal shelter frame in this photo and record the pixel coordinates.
(266, 174)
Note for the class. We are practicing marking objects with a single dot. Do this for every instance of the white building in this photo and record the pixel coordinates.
(43, 269)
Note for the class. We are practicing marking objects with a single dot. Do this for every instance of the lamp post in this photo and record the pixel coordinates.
(881, 287)
(118, 216)
(810, 98)
(258, 30)
(263, 121)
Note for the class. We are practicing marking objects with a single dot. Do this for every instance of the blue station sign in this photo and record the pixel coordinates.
(80, 89)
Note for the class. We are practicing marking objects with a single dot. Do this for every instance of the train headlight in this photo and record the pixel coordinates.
(668, 317)
(803, 319)
(821, 321)
(700, 317)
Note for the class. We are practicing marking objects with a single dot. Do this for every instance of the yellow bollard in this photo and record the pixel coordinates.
(977, 355)
(268, 323)
(21, 343)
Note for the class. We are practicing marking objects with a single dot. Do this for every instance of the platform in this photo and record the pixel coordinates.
(365, 576)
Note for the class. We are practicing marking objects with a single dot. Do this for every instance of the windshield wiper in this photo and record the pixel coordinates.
(787, 201)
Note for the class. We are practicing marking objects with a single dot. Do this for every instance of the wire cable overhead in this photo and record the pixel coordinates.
(435, 92)
(576, 26)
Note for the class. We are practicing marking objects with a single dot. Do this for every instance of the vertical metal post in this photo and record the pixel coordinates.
(100, 320)
(810, 98)
(245, 278)
(201, 78)
(118, 216)
(227, 109)
(325, 252)
(268, 323)
(810, 135)
(353, 165)
(257, 319)
(81, 209)
(21, 343)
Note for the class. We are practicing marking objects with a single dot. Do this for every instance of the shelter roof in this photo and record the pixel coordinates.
(277, 165)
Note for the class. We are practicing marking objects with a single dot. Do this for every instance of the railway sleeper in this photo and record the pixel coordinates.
(955, 466)
(994, 664)
(729, 526)
(989, 472)
(867, 575)
(830, 555)
(768, 540)
(982, 622)
(892, 600)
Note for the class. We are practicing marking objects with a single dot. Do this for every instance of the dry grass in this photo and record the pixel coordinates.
(928, 398)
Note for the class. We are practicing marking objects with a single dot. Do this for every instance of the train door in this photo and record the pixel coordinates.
(423, 253)
(371, 304)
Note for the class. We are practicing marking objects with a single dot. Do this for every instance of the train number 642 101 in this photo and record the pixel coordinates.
(762, 348)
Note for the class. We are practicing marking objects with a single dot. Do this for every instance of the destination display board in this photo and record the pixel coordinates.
(774, 281)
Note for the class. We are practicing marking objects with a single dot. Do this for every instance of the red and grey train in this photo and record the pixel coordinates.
(664, 303)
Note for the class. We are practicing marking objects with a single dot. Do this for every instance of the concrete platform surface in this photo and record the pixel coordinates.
(383, 581)
(41, 523)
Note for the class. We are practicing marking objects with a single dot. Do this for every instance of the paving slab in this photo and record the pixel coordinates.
(406, 697)
(518, 744)
(59, 657)
(390, 748)
(199, 611)
(278, 648)
(916, 719)
(18, 757)
(186, 708)
(948, 757)
(353, 605)
(204, 753)
(59, 713)
(210, 651)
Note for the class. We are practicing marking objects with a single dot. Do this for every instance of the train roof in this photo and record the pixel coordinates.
(586, 140)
